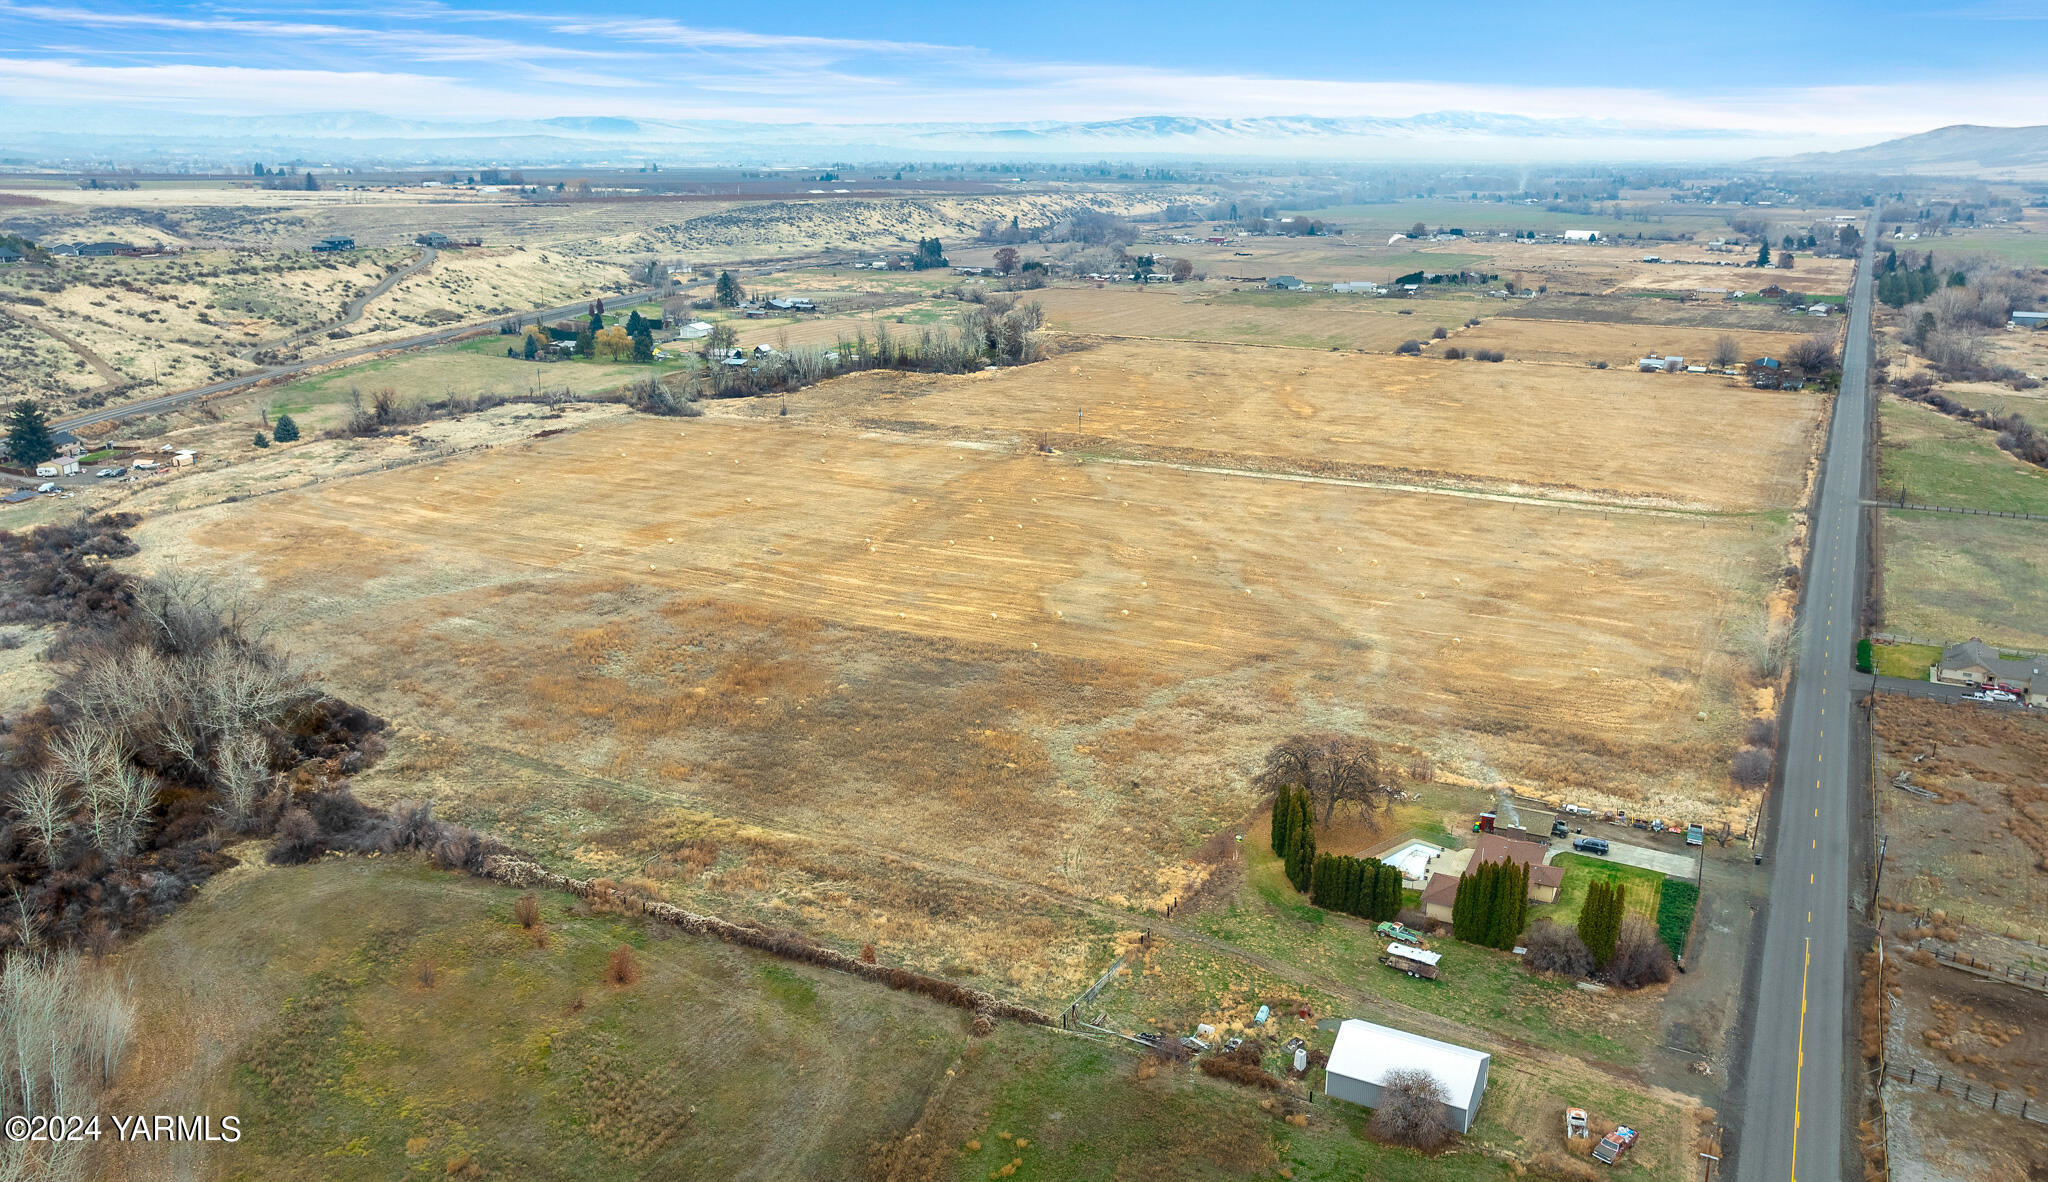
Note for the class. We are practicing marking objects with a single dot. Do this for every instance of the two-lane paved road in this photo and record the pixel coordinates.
(1792, 1085)
(438, 336)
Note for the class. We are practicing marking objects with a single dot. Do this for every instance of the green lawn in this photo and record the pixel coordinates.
(1580, 871)
(1938, 460)
(1904, 660)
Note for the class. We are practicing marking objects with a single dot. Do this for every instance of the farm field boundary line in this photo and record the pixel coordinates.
(1294, 974)
(1912, 508)
(1983, 1095)
(1106, 450)
(1432, 490)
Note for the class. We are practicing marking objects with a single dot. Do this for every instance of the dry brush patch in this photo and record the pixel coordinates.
(1979, 851)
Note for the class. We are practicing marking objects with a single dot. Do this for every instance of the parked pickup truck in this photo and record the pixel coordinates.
(1695, 835)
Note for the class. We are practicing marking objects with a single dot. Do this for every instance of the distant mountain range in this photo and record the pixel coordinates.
(1964, 149)
(77, 138)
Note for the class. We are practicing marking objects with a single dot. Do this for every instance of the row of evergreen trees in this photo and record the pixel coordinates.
(1294, 834)
(1492, 904)
(1365, 887)
(1600, 919)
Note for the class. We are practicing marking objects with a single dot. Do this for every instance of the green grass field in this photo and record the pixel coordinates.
(1084, 1115)
(471, 367)
(1903, 660)
(1952, 577)
(1938, 460)
(382, 1019)
(1580, 872)
(2026, 248)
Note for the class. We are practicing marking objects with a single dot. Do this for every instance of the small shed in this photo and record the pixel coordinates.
(1367, 1053)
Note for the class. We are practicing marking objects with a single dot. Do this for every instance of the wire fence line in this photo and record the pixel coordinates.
(2015, 1104)
(1918, 508)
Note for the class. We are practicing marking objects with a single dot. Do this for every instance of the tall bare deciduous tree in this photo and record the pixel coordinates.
(63, 1035)
(1335, 768)
(43, 807)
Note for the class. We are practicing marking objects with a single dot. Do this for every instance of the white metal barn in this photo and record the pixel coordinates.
(1366, 1054)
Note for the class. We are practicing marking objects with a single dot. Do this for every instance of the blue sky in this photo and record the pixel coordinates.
(1829, 72)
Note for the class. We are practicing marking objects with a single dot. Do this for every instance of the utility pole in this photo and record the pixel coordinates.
(1878, 882)
(1707, 1161)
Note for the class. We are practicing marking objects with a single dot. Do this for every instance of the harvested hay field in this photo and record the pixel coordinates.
(1621, 345)
(1980, 851)
(1648, 438)
(879, 674)
(1214, 312)
(1626, 309)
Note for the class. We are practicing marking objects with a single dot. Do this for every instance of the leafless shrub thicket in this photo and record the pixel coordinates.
(1411, 1111)
(62, 1037)
(1001, 331)
(173, 729)
(1640, 956)
(1751, 767)
(1554, 948)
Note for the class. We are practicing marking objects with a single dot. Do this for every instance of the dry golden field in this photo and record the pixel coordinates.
(879, 669)
(1212, 311)
(1621, 345)
(1689, 440)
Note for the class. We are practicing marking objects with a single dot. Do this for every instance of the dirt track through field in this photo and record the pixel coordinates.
(108, 374)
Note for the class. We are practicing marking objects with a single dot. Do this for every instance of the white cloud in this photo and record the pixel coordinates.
(244, 90)
(405, 60)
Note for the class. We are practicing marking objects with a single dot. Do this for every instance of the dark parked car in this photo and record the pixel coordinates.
(1591, 845)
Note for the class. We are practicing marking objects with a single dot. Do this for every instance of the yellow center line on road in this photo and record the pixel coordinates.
(1799, 1072)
